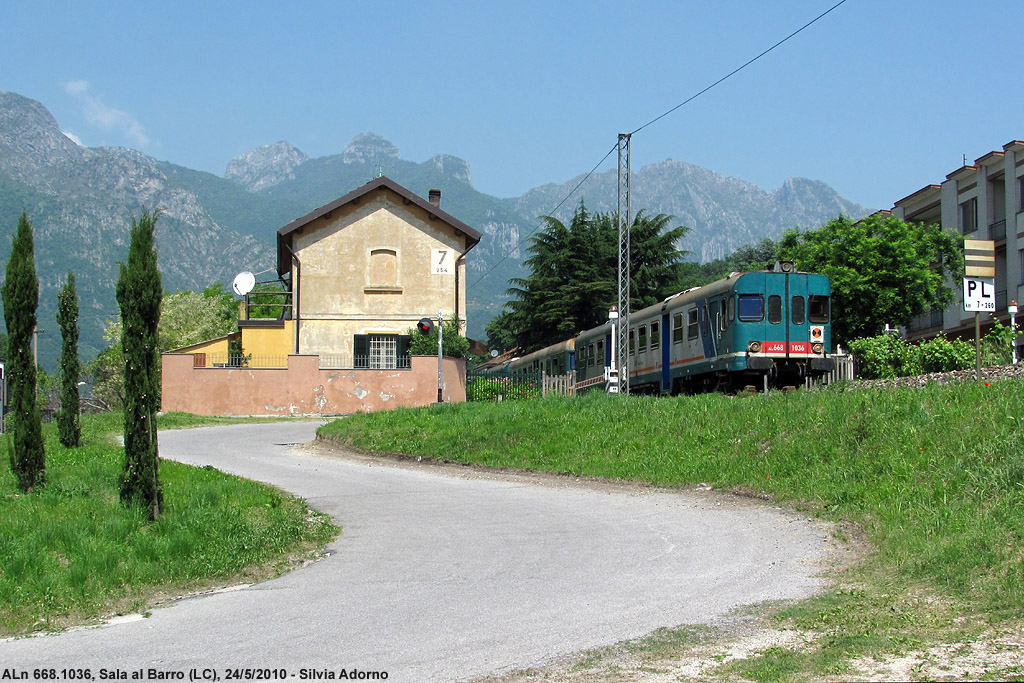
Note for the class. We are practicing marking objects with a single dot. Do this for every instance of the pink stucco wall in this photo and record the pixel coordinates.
(303, 388)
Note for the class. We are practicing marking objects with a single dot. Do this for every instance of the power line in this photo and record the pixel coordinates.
(654, 120)
(551, 212)
(738, 69)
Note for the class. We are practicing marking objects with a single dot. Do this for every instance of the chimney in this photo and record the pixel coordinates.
(435, 197)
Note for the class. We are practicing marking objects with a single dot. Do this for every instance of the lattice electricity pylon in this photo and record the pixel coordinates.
(624, 265)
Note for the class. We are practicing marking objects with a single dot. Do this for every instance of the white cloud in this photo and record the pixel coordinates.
(74, 138)
(104, 116)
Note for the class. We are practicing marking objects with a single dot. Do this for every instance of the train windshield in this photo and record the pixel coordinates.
(817, 308)
(751, 308)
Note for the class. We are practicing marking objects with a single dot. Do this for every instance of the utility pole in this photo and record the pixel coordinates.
(624, 265)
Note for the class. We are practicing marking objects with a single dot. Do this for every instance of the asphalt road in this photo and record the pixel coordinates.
(445, 574)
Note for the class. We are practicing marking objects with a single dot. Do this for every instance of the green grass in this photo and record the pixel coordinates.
(932, 478)
(71, 552)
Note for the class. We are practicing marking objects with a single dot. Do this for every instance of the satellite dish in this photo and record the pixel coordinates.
(243, 283)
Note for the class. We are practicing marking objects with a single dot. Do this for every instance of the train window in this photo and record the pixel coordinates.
(691, 324)
(798, 310)
(632, 342)
(817, 308)
(732, 308)
(677, 328)
(775, 309)
(706, 324)
(655, 335)
(642, 341)
(722, 320)
(751, 308)
(590, 355)
(600, 360)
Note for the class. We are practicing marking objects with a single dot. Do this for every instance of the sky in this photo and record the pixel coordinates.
(878, 99)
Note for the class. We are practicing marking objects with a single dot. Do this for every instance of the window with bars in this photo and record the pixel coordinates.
(381, 351)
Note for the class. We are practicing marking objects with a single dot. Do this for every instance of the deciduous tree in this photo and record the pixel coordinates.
(882, 270)
(21, 298)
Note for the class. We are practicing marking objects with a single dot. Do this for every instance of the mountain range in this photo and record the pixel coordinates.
(81, 202)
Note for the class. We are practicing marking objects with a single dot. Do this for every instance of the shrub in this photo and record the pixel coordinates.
(507, 388)
(943, 355)
(884, 357)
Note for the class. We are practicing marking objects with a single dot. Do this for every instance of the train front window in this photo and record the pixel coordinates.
(798, 310)
(775, 309)
(751, 308)
(817, 308)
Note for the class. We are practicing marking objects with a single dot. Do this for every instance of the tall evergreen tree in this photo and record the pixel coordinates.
(70, 366)
(574, 274)
(138, 294)
(21, 298)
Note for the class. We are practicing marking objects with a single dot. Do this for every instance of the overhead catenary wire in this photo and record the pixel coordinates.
(652, 121)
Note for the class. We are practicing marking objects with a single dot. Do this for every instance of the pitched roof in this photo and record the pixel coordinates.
(284, 235)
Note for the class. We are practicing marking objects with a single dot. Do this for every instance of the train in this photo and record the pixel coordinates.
(753, 329)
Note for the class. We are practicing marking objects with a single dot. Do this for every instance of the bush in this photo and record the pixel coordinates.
(942, 355)
(885, 357)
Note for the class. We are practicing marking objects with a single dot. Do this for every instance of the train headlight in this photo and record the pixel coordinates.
(754, 347)
(817, 347)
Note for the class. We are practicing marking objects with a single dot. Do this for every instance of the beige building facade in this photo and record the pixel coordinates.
(366, 267)
(981, 201)
(360, 273)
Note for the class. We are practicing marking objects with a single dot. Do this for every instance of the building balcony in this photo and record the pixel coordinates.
(997, 230)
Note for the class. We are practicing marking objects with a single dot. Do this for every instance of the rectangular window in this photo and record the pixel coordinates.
(642, 341)
(775, 309)
(721, 314)
(1022, 266)
(1020, 194)
(751, 308)
(732, 308)
(677, 328)
(655, 336)
(817, 308)
(383, 351)
(969, 216)
(600, 353)
(632, 342)
(590, 355)
(798, 310)
(691, 324)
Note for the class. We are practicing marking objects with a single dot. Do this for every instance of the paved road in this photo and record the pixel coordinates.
(443, 574)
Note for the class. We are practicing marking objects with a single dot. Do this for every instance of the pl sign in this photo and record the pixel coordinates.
(979, 294)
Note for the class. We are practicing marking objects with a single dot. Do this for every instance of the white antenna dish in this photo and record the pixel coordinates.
(243, 283)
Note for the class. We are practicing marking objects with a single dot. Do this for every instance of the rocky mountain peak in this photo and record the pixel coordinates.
(265, 166)
(452, 166)
(31, 143)
(367, 148)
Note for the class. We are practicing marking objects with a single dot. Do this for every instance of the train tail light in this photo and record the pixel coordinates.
(754, 347)
(817, 347)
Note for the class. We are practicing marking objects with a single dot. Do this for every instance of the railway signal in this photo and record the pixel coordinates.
(425, 326)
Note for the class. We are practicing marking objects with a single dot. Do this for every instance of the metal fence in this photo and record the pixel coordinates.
(482, 386)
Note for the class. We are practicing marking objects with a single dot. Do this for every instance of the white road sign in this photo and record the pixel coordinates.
(979, 294)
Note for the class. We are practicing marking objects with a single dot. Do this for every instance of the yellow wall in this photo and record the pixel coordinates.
(216, 350)
(269, 346)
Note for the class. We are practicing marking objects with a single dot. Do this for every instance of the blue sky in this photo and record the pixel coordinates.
(878, 99)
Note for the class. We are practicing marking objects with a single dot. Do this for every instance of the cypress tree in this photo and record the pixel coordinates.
(70, 366)
(138, 294)
(21, 297)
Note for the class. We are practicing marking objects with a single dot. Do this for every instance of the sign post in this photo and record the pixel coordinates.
(979, 287)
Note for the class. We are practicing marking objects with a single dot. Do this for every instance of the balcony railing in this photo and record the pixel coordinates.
(926, 321)
(997, 230)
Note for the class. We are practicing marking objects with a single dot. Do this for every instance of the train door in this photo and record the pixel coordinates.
(666, 354)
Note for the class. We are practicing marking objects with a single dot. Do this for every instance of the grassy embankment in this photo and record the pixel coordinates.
(71, 552)
(932, 478)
